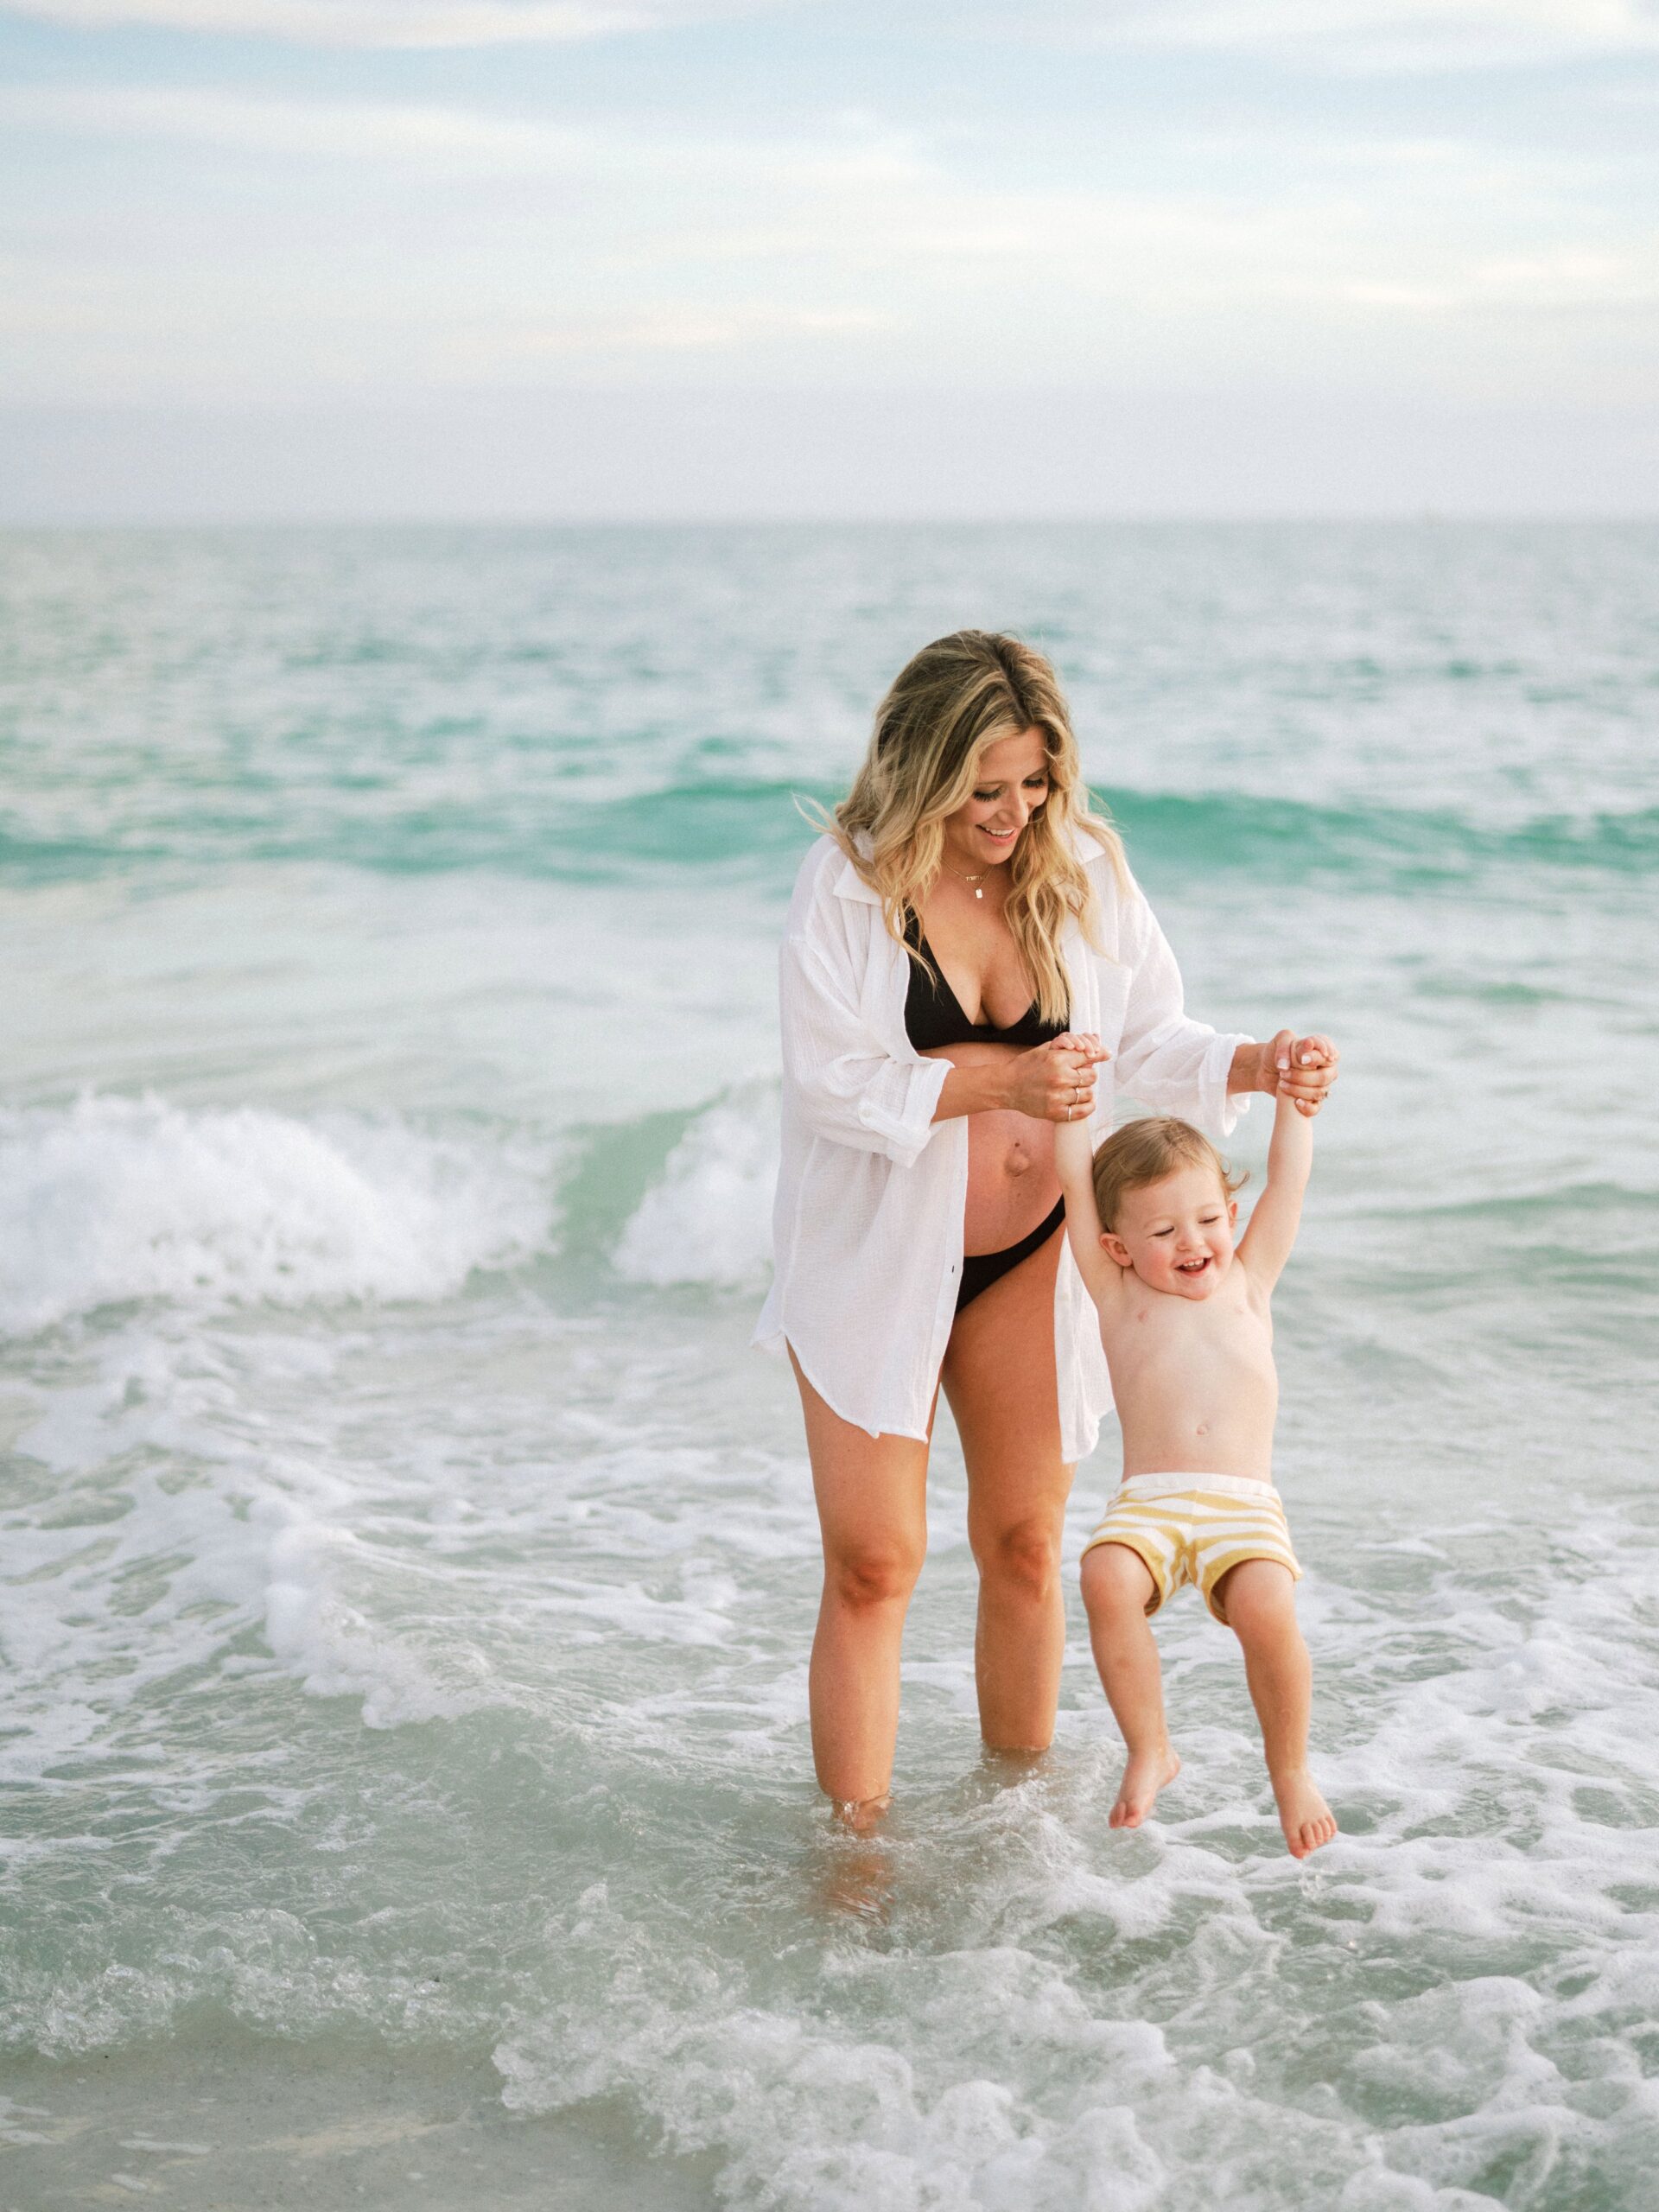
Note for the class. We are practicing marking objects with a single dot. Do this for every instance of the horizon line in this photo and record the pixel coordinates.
(1135, 518)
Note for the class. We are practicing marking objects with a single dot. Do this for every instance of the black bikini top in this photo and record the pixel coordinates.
(933, 1013)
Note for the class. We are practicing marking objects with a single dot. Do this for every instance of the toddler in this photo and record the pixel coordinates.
(1185, 1321)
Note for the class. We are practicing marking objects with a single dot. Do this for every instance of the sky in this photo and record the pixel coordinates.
(662, 259)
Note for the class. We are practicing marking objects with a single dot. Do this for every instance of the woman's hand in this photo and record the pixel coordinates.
(1056, 1082)
(1302, 1068)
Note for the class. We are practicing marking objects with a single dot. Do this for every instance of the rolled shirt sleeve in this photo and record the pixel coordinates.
(1166, 1058)
(848, 1086)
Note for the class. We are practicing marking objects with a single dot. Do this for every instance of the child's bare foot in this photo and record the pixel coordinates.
(1305, 1818)
(1144, 1776)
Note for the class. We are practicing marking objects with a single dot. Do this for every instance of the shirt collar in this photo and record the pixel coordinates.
(849, 884)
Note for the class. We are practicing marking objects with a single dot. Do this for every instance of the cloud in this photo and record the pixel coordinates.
(1335, 35)
(855, 202)
(1573, 278)
(1413, 35)
(337, 130)
(687, 329)
(384, 23)
(368, 243)
(445, 140)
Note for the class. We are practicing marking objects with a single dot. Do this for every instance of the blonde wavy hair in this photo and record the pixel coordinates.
(956, 696)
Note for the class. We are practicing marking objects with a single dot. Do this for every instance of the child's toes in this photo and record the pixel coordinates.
(1303, 1815)
(1144, 1776)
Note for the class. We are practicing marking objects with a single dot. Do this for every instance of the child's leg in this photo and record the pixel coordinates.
(1116, 1588)
(1258, 1597)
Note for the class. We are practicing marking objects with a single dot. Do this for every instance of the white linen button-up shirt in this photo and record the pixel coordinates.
(868, 1221)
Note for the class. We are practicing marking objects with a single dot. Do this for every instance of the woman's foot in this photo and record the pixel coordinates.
(859, 1815)
(1305, 1818)
(1144, 1776)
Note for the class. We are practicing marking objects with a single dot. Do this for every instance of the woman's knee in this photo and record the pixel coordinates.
(1022, 1557)
(867, 1577)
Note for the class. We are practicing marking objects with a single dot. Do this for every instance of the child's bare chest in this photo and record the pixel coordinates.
(1167, 1344)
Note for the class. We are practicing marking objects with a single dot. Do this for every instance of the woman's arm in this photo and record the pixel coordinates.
(846, 1083)
(1053, 1082)
(1300, 1068)
(1186, 1067)
(851, 1089)
(1165, 1058)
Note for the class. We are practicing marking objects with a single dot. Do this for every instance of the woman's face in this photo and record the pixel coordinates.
(1012, 783)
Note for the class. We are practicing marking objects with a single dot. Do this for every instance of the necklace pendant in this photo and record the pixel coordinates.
(978, 893)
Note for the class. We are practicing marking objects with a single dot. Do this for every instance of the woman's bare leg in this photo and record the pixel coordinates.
(1000, 1377)
(871, 1502)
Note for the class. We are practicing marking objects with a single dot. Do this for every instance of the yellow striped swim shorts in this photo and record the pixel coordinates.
(1193, 1528)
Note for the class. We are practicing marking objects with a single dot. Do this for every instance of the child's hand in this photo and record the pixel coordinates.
(1301, 1069)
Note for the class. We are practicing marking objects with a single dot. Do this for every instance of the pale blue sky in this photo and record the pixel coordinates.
(521, 256)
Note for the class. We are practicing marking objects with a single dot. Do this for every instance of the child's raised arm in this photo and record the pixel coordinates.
(1074, 1160)
(1271, 1232)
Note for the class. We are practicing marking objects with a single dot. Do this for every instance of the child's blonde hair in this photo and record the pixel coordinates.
(1146, 1151)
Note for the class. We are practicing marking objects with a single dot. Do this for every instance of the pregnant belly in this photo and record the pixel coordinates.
(1012, 1184)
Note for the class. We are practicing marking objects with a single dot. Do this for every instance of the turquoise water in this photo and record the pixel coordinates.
(407, 1572)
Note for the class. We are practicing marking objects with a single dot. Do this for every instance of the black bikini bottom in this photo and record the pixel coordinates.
(980, 1269)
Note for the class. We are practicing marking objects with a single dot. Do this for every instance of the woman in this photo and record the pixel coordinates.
(966, 952)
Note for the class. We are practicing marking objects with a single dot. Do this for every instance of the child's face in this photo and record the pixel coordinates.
(1176, 1234)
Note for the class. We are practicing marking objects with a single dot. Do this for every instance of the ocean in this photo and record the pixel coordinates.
(407, 1570)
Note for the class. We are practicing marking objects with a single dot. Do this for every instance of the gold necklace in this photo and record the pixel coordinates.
(976, 881)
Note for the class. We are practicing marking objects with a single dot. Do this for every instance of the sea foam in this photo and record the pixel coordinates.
(708, 1219)
(115, 1199)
